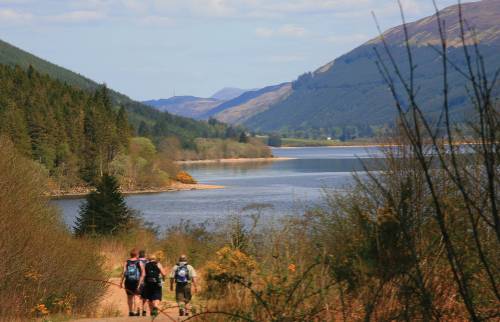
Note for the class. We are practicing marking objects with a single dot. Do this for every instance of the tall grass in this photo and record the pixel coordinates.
(43, 267)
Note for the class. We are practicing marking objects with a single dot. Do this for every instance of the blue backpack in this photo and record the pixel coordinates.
(182, 274)
(133, 270)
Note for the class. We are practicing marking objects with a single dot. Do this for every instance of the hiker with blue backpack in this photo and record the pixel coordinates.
(132, 278)
(184, 276)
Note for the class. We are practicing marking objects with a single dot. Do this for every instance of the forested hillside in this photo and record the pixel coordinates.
(72, 133)
(144, 118)
(348, 97)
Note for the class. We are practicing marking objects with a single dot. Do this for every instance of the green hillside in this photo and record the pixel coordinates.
(11, 55)
(348, 98)
(145, 119)
(74, 134)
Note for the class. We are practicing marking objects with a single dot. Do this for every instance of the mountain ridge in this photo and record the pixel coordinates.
(228, 93)
(349, 92)
(187, 106)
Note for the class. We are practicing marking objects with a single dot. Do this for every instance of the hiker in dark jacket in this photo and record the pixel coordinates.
(184, 276)
(153, 283)
(133, 276)
(144, 261)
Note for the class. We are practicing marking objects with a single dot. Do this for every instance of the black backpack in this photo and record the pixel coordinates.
(152, 273)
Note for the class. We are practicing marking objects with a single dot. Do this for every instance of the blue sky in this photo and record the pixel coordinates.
(149, 48)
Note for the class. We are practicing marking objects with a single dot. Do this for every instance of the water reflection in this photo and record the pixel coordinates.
(285, 187)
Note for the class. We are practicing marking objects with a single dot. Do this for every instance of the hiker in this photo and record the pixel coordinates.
(133, 276)
(153, 283)
(143, 260)
(184, 276)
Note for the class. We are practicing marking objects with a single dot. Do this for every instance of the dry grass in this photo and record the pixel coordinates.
(43, 267)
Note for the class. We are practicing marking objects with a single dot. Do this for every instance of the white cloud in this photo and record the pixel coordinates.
(205, 8)
(283, 31)
(77, 16)
(214, 7)
(14, 1)
(137, 5)
(164, 12)
(292, 31)
(156, 21)
(264, 32)
(13, 17)
(267, 9)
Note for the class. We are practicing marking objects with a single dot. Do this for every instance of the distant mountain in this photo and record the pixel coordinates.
(228, 93)
(188, 106)
(233, 111)
(145, 119)
(240, 109)
(349, 91)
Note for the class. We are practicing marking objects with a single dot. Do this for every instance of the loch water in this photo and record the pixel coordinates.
(277, 188)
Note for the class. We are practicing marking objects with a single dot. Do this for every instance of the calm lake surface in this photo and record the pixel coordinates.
(284, 187)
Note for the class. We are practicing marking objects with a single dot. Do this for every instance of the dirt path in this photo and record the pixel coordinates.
(114, 305)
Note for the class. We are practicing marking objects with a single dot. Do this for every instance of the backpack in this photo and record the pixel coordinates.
(182, 274)
(133, 270)
(152, 273)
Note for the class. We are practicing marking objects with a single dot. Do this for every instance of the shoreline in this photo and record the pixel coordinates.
(174, 187)
(338, 146)
(233, 160)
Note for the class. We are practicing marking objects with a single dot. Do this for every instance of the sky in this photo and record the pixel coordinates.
(150, 49)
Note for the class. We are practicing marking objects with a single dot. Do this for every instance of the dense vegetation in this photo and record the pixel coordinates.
(210, 149)
(79, 136)
(146, 120)
(43, 267)
(75, 135)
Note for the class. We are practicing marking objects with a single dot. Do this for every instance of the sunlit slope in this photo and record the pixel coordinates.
(350, 92)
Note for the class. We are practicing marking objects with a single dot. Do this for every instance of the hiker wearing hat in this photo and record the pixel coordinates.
(184, 276)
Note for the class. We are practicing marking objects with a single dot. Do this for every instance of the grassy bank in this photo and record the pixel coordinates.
(212, 149)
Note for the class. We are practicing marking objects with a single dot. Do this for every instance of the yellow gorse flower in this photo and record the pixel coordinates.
(41, 309)
(33, 275)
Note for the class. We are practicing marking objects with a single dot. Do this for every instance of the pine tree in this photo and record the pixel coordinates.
(274, 140)
(231, 133)
(104, 211)
(123, 129)
(144, 129)
(13, 125)
(67, 130)
(243, 137)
